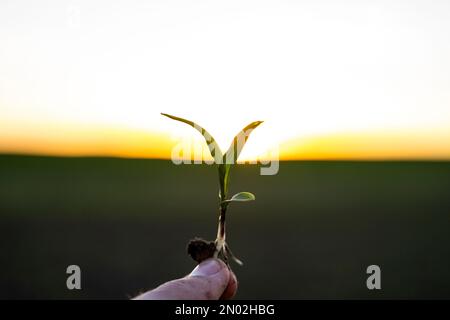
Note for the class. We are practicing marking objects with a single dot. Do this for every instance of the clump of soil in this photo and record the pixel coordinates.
(200, 249)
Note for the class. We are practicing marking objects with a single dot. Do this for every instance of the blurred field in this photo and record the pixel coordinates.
(312, 232)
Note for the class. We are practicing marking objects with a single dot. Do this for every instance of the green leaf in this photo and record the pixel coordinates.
(241, 196)
(213, 147)
(234, 150)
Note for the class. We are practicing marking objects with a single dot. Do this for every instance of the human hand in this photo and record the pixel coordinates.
(210, 280)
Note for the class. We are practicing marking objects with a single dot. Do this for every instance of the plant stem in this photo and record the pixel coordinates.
(221, 234)
(221, 229)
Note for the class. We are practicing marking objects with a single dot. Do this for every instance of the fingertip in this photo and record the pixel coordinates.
(231, 289)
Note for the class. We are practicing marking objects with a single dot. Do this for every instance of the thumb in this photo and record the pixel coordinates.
(212, 276)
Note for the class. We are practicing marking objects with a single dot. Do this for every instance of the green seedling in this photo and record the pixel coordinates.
(201, 249)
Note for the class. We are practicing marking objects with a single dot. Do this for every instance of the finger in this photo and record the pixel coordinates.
(231, 289)
(207, 281)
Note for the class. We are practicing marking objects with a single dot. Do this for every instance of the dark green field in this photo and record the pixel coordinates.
(312, 232)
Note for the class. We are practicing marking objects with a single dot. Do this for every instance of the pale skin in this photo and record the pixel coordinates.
(210, 280)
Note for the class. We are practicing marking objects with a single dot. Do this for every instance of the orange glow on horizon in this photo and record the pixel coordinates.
(128, 143)
(115, 142)
(369, 146)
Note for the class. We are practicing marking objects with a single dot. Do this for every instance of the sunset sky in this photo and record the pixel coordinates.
(331, 79)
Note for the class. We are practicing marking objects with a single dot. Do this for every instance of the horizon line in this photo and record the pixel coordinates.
(124, 157)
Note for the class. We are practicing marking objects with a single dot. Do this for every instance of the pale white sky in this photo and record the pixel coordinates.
(306, 67)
